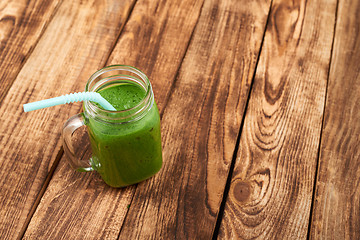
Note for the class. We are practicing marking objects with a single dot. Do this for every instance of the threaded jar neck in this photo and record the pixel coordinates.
(116, 75)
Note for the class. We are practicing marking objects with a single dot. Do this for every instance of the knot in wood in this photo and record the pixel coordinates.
(241, 191)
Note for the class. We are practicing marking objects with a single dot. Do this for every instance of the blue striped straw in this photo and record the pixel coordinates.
(69, 98)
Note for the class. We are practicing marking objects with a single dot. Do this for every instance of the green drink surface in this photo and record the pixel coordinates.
(123, 96)
(126, 153)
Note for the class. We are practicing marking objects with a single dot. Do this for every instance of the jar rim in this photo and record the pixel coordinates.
(121, 116)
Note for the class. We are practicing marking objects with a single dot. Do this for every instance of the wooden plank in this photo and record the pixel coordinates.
(161, 26)
(200, 125)
(21, 24)
(155, 40)
(336, 211)
(76, 43)
(272, 183)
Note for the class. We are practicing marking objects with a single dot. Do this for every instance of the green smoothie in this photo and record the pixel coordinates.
(127, 152)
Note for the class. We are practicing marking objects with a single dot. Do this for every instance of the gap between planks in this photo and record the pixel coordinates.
(172, 87)
(42, 191)
(232, 164)
(61, 151)
(322, 126)
(2, 97)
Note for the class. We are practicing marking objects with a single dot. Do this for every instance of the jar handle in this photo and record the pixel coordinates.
(69, 128)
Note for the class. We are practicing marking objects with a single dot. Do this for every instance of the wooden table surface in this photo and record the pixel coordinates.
(259, 104)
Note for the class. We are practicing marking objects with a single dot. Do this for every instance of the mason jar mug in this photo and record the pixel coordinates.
(126, 144)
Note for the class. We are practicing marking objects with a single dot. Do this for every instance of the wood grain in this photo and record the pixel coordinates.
(200, 125)
(336, 211)
(77, 202)
(21, 25)
(155, 40)
(272, 184)
(60, 63)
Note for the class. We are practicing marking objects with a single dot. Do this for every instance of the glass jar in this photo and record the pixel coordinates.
(126, 144)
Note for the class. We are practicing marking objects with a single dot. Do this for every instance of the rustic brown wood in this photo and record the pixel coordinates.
(272, 183)
(336, 211)
(60, 63)
(290, 179)
(82, 201)
(155, 40)
(200, 125)
(21, 25)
